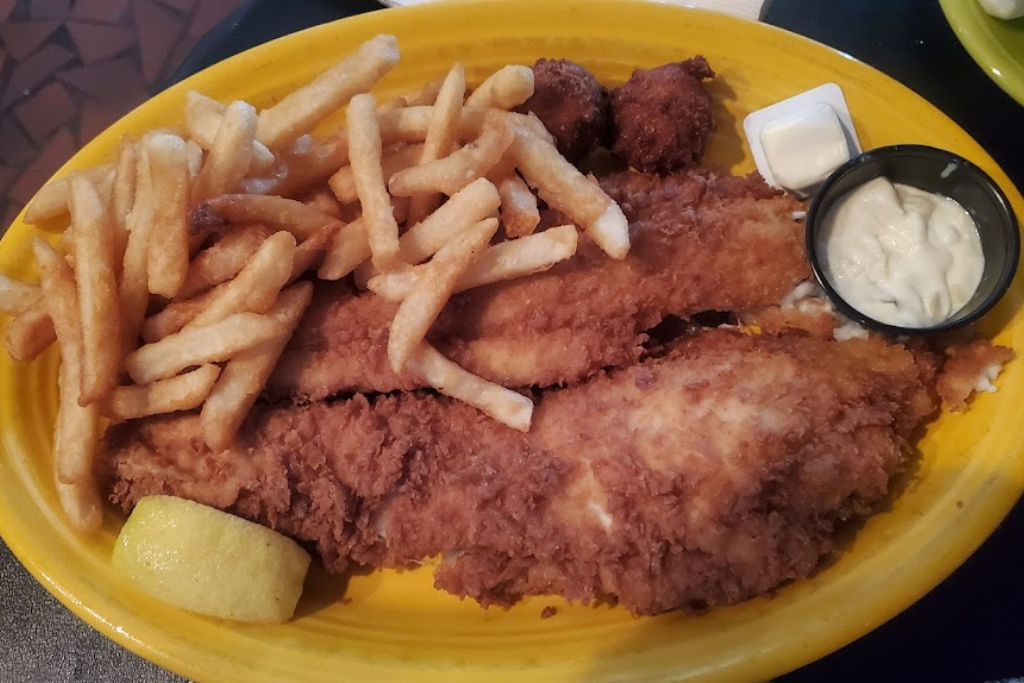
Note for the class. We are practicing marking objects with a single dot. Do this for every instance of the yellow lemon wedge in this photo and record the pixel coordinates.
(207, 561)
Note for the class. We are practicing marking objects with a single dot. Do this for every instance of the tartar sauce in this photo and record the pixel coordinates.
(901, 255)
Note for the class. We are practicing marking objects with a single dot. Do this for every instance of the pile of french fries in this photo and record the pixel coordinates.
(187, 264)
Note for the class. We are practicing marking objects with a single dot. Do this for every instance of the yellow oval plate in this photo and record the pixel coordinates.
(390, 626)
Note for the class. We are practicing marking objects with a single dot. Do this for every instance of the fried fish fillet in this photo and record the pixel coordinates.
(700, 242)
(701, 478)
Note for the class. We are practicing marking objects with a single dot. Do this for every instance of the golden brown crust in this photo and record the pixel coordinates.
(964, 365)
(662, 117)
(702, 478)
(702, 241)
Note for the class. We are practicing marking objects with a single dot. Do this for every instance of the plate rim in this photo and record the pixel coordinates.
(160, 657)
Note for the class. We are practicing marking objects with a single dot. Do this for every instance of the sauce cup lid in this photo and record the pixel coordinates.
(932, 170)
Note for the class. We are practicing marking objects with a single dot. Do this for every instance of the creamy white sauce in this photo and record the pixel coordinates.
(802, 148)
(901, 255)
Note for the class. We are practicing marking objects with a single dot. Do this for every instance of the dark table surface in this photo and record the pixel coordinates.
(967, 629)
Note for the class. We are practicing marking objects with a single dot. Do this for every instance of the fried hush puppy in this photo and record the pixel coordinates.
(571, 104)
(661, 118)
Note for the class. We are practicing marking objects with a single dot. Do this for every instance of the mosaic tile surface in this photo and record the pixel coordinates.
(68, 69)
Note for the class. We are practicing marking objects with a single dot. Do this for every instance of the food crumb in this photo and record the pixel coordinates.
(548, 612)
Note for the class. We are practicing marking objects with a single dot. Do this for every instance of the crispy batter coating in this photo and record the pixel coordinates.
(701, 241)
(572, 105)
(964, 366)
(699, 479)
(661, 118)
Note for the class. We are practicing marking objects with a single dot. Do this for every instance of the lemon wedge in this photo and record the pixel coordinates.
(207, 561)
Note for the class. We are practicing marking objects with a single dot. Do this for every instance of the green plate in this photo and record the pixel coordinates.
(995, 44)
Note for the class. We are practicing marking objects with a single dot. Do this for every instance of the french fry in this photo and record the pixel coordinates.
(455, 171)
(82, 505)
(245, 375)
(30, 333)
(427, 94)
(325, 202)
(199, 345)
(203, 117)
(310, 253)
(175, 316)
(133, 294)
(466, 207)
(298, 170)
(343, 183)
(256, 286)
(408, 124)
(167, 263)
(180, 312)
(531, 123)
(16, 296)
(302, 109)
(564, 188)
(396, 285)
(519, 212)
(223, 259)
(277, 212)
(364, 148)
(230, 157)
(396, 103)
(504, 405)
(77, 426)
(183, 392)
(504, 261)
(434, 287)
(506, 89)
(518, 258)
(505, 168)
(52, 199)
(411, 123)
(60, 296)
(473, 203)
(441, 135)
(258, 281)
(267, 184)
(122, 196)
(96, 278)
(302, 145)
(77, 430)
(400, 209)
(347, 250)
(194, 154)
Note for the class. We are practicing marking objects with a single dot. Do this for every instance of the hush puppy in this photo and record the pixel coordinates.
(571, 104)
(661, 118)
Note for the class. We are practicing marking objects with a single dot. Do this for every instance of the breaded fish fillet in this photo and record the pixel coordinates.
(705, 477)
(701, 242)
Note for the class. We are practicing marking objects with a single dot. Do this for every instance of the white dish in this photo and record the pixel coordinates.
(744, 9)
(829, 93)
